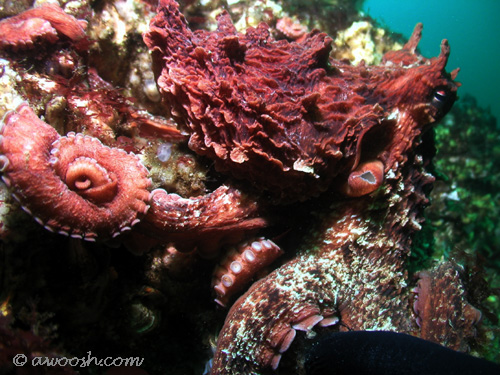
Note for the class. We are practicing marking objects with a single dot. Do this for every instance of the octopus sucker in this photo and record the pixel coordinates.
(293, 309)
(282, 122)
(99, 190)
(353, 130)
(240, 265)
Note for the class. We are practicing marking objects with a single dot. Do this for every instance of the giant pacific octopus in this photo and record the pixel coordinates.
(286, 117)
(293, 123)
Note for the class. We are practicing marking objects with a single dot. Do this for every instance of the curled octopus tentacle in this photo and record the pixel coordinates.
(240, 265)
(72, 185)
(222, 217)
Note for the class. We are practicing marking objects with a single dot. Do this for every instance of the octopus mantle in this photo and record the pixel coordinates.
(285, 116)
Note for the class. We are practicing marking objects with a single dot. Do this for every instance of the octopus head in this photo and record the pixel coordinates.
(425, 91)
(413, 93)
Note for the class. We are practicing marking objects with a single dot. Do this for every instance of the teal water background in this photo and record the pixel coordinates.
(471, 27)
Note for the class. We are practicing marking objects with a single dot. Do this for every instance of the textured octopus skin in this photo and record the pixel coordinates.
(222, 217)
(352, 269)
(294, 122)
(350, 272)
(46, 22)
(282, 115)
(76, 186)
(430, 304)
(73, 185)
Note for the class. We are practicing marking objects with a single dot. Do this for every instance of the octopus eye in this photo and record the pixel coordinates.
(440, 96)
(442, 99)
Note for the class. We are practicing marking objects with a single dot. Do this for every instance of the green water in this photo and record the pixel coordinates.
(472, 28)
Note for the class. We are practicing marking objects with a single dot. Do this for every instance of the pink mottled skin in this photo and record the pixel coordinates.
(46, 22)
(349, 274)
(284, 116)
(295, 123)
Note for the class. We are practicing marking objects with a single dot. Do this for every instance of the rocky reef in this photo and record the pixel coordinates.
(211, 194)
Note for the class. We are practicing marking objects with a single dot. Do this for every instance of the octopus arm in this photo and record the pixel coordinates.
(263, 323)
(210, 221)
(72, 185)
(45, 22)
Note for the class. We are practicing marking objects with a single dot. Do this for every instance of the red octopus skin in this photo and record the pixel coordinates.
(45, 22)
(439, 293)
(224, 216)
(240, 265)
(283, 115)
(100, 191)
(294, 122)
(350, 272)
